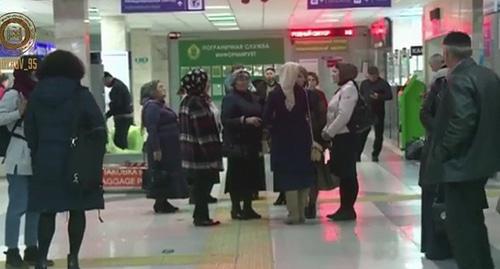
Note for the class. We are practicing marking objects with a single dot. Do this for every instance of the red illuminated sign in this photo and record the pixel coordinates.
(381, 33)
(321, 33)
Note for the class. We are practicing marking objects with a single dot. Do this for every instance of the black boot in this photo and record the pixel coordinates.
(236, 212)
(310, 212)
(41, 265)
(281, 199)
(248, 211)
(31, 256)
(73, 262)
(14, 260)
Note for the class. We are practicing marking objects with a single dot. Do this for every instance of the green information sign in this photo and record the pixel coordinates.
(229, 52)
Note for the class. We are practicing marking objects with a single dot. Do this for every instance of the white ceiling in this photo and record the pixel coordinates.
(274, 15)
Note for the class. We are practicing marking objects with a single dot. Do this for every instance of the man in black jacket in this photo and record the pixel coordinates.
(376, 92)
(464, 151)
(120, 108)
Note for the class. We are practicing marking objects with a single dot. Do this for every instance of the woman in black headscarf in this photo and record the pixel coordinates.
(201, 148)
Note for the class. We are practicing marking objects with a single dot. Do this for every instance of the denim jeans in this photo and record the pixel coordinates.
(18, 205)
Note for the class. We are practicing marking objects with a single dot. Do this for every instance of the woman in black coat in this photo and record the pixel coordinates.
(49, 118)
(241, 118)
(163, 150)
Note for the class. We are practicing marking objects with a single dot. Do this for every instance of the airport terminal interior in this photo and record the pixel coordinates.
(138, 41)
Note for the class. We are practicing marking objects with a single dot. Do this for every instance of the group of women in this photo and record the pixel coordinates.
(292, 117)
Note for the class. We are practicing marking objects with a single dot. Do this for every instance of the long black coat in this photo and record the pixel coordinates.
(244, 173)
(465, 144)
(48, 127)
(428, 118)
(291, 141)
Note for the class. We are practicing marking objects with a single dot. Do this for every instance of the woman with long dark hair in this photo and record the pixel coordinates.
(345, 143)
(50, 117)
(163, 149)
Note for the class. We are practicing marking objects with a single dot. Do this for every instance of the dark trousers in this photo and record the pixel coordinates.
(201, 193)
(121, 131)
(465, 225)
(434, 244)
(379, 137)
(343, 164)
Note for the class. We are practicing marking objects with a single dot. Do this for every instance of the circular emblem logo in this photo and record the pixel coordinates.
(194, 52)
(17, 34)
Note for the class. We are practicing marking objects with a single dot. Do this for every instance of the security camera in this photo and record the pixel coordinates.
(264, 1)
(245, 1)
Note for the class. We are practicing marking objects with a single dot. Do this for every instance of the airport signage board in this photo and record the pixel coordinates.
(229, 52)
(334, 4)
(333, 45)
(157, 6)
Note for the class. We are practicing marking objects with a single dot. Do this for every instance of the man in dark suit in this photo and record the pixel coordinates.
(120, 108)
(464, 151)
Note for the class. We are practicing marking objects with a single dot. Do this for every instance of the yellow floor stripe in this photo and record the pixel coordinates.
(249, 242)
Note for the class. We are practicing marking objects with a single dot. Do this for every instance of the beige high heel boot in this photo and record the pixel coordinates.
(292, 203)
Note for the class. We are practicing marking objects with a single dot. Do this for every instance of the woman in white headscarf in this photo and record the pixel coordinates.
(286, 116)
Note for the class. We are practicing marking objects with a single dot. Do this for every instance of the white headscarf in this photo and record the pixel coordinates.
(288, 77)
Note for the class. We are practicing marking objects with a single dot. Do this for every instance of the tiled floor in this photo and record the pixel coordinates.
(387, 234)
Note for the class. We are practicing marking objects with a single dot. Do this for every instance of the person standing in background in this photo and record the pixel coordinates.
(120, 108)
(464, 151)
(376, 92)
(313, 85)
(4, 84)
(434, 244)
(318, 106)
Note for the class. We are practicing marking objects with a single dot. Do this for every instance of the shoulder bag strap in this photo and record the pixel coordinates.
(309, 117)
(75, 125)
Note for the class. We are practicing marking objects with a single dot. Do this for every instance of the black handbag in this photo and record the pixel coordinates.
(362, 118)
(325, 179)
(414, 150)
(87, 149)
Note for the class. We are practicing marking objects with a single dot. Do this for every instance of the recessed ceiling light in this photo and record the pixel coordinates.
(327, 20)
(217, 7)
(229, 29)
(86, 21)
(332, 15)
(213, 15)
(228, 23)
(225, 18)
